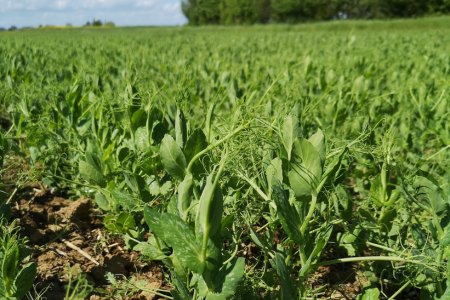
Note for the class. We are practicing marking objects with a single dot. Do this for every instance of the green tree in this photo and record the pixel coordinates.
(244, 11)
(190, 10)
(208, 11)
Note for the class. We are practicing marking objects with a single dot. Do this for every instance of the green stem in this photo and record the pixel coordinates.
(12, 195)
(208, 226)
(302, 254)
(309, 215)
(289, 256)
(216, 144)
(258, 190)
(438, 225)
(399, 291)
(381, 247)
(195, 295)
(371, 258)
(154, 292)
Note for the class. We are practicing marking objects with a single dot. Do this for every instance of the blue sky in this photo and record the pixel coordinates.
(33, 13)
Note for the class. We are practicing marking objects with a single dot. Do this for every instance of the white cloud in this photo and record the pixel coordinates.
(60, 12)
(145, 3)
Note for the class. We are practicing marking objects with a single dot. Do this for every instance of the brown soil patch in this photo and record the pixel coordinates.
(45, 218)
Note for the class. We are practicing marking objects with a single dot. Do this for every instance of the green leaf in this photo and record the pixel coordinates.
(429, 193)
(370, 293)
(94, 161)
(141, 139)
(9, 266)
(343, 203)
(289, 132)
(377, 191)
(224, 282)
(180, 129)
(196, 143)
(274, 170)
(264, 242)
(126, 221)
(184, 243)
(331, 171)
(181, 287)
(287, 286)
(318, 141)
(5, 211)
(3, 194)
(24, 280)
(137, 184)
(154, 221)
(208, 123)
(172, 158)
(288, 215)
(124, 199)
(149, 251)
(317, 251)
(210, 209)
(158, 133)
(226, 222)
(306, 169)
(102, 202)
(139, 119)
(419, 237)
(434, 201)
(185, 194)
(386, 219)
(91, 174)
(368, 216)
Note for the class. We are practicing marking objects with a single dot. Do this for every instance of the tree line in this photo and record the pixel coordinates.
(200, 12)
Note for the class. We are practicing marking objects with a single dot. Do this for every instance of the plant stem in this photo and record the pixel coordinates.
(216, 144)
(12, 195)
(195, 294)
(381, 247)
(309, 215)
(371, 258)
(399, 291)
(257, 189)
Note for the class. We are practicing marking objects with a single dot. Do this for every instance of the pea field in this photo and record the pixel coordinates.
(263, 162)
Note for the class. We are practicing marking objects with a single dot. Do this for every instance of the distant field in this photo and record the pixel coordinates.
(275, 161)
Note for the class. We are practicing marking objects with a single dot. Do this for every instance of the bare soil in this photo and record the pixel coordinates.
(50, 222)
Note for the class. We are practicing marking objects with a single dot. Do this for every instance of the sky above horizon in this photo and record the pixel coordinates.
(32, 13)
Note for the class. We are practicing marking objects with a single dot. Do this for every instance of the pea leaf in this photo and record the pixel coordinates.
(274, 170)
(318, 141)
(306, 169)
(185, 246)
(185, 194)
(141, 139)
(370, 293)
(172, 158)
(386, 219)
(91, 174)
(287, 287)
(126, 221)
(154, 221)
(102, 202)
(288, 215)
(24, 280)
(9, 266)
(139, 119)
(376, 191)
(419, 237)
(289, 132)
(180, 129)
(150, 251)
(124, 199)
(196, 143)
(225, 281)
